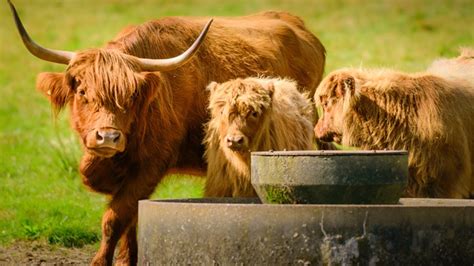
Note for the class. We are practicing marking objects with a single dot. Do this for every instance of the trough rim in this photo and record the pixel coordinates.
(330, 153)
(248, 202)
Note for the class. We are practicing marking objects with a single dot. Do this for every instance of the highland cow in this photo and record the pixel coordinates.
(430, 114)
(252, 114)
(139, 103)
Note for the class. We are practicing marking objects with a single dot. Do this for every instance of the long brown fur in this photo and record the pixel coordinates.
(282, 121)
(161, 114)
(430, 114)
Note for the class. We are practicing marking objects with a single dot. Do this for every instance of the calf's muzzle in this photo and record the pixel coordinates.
(235, 142)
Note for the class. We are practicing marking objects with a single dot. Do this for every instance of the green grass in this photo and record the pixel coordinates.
(41, 196)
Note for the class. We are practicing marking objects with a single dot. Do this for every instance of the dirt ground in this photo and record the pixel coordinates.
(37, 253)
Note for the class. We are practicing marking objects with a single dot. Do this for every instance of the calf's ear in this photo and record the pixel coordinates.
(54, 87)
(270, 88)
(345, 84)
(350, 97)
(212, 87)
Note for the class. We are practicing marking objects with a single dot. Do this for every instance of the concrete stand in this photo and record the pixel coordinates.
(244, 231)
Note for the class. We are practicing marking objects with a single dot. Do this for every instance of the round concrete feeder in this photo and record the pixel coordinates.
(244, 232)
(330, 177)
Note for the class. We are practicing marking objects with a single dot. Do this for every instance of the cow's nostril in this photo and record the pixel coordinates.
(116, 139)
(108, 137)
(99, 136)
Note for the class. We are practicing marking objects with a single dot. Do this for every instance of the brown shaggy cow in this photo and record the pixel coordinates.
(430, 114)
(252, 114)
(139, 116)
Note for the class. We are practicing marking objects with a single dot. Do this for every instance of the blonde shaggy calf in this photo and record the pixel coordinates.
(252, 114)
(430, 114)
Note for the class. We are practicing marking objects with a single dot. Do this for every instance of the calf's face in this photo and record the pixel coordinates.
(332, 97)
(239, 109)
(238, 131)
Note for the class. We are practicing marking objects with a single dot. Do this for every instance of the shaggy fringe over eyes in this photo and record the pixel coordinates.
(110, 76)
(239, 96)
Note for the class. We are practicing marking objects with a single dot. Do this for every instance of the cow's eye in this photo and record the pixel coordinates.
(323, 101)
(74, 83)
(82, 92)
(220, 109)
(135, 95)
(254, 114)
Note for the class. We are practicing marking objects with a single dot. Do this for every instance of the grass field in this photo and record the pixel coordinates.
(41, 196)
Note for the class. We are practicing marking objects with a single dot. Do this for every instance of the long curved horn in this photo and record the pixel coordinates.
(175, 62)
(55, 56)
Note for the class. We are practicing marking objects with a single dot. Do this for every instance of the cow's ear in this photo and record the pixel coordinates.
(212, 87)
(54, 87)
(345, 84)
(270, 88)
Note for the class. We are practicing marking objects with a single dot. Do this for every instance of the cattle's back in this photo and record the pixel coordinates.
(460, 69)
(268, 43)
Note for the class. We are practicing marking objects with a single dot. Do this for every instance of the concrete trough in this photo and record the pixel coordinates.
(330, 177)
(244, 231)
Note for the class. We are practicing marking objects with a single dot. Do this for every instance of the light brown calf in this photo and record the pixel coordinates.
(430, 114)
(252, 114)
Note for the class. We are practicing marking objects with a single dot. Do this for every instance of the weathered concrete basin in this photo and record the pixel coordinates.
(330, 177)
(237, 231)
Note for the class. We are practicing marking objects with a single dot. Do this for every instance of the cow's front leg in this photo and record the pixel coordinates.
(128, 248)
(111, 231)
(122, 215)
